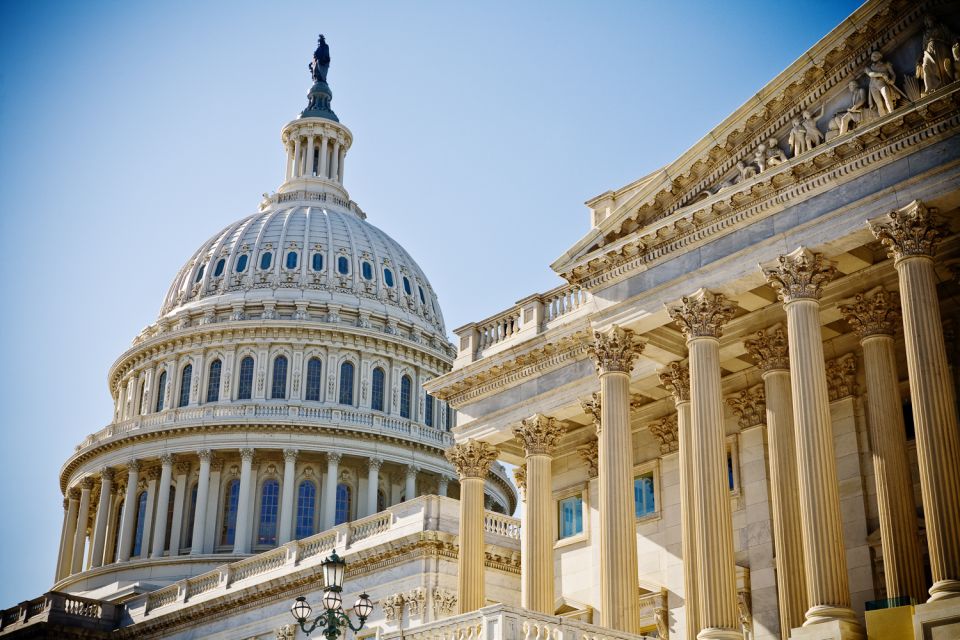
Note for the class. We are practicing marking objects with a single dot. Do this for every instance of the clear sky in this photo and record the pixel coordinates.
(132, 131)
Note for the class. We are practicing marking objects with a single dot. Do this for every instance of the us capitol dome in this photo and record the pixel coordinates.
(278, 394)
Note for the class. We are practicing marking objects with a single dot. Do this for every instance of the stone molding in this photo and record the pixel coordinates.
(615, 350)
(842, 377)
(539, 434)
(472, 459)
(675, 377)
(770, 349)
(702, 315)
(911, 231)
(750, 406)
(800, 275)
(665, 431)
(873, 313)
(590, 454)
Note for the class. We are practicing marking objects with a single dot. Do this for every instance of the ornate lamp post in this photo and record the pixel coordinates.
(333, 615)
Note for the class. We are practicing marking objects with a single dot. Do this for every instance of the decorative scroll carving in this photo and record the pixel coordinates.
(665, 431)
(416, 600)
(770, 349)
(702, 315)
(590, 454)
(392, 608)
(287, 632)
(842, 377)
(592, 408)
(800, 275)
(444, 602)
(540, 434)
(290, 454)
(615, 350)
(520, 477)
(472, 458)
(750, 406)
(914, 230)
(676, 378)
(872, 314)
(107, 473)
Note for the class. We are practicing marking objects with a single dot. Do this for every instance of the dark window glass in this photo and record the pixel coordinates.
(265, 260)
(185, 376)
(213, 381)
(138, 530)
(428, 410)
(346, 383)
(200, 273)
(242, 263)
(423, 300)
(405, 386)
(643, 495)
(292, 260)
(450, 417)
(318, 262)
(406, 286)
(117, 525)
(343, 265)
(144, 402)
(908, 421)
(367, 270)
(313, 379)
(730, 470)
(279, 388)
(245, 385)
(269, 503)
(192, 512)
(174, 549)
(229, 531)
(161, 390)
(218, 270)
(388, 277)
(343, 503)
(306, 504)
(377, 389)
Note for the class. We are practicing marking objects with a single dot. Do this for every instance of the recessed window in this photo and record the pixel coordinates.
(730, 479)
(242, 263)
(377, 387)
(218, 270)
(346, 383)
(388, 277)
(343, 265)
(428, 411)
(406, 286)
(306, 505)
(138, 530)
(213, 381)
(317, 262)
(344, 498)
(185, 377)
(570, 513)
(643, 495)
(313, 379)
(367, 270)
(423, 300)
(269, 506)
(245, 384)
(265, 260)
(406, 384)
(292, 260)
(278, 389)
(161, 390)
(229, 530)
(200, 273)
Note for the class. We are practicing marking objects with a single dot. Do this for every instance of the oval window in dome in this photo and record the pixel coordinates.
(242, 263)
(218, 270)
(343, 265)
(200, 273)
(388, 277)
(367, 270)
(265, 260)
(318, 262)
(406, 286)
(292, 260)
(423, 300)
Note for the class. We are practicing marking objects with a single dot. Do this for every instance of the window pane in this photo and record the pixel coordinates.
(200, 273)
(269, 503)
(313, 379)
(218, 270)
(343, 504)
(730, 470)
(292, 260)
(242, 263)
(279, 388)
(185, 376)
(367, 271)
(213, 381)
(174, 549)
(318, 262)
(265, 260)
(405, 385)
(141, 515)
(423, 300)
(306, 504)
(388, 277)
(643, 495)
(428, 411)
(377, 388)
(571, 516)
(229, 531)
(192, 512)
(161, 390)
(343, 265)
(406, 286)
(245, 384)
(346, 383)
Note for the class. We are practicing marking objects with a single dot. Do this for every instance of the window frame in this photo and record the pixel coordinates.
(241, 264)
(298, 510)
(160, 402)
(382, 390)
(349, 505)
(221, 539)
(319, 379)
(210, 380)
(581, 490)
(353, 383)
(186, 379)
(259, 522)
(651, 467)
(296, 260)
(313, 262)
(343, 260)
(219, 267)
(408, 401)
(388, 280)
(285, 391)
(268, 256)
(253, 371)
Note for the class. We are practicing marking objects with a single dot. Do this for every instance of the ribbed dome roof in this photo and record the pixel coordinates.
(299, 252)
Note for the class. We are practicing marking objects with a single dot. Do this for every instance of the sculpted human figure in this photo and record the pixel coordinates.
(813, 134)
(747, 171)
(321, 61)
(883, 91)
(775, 154)
(798, 138)
(854, 113)
(760, 157)
(935, 65)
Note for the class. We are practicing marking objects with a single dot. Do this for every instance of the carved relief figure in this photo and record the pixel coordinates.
(775, 154)
(813, 133)
(846, 120)
(760, 157)
(747, 171)
(935, 65)
(798, 138)
(883, 90)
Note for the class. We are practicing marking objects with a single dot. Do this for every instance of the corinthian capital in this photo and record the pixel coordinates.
(676, 378)
(770, 349)
(472, 459)
(871, 314)
(520, 477)
(615, 350)
(665, 431)
(702, 315)
(590, 454)
(913, 230)
(750, 406)
(591, 407)
(539, 434)
(800, 275)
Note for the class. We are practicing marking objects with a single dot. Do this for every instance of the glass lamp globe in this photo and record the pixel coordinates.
(333, 570)
(332, 600)
(301, 609)
(363, 607)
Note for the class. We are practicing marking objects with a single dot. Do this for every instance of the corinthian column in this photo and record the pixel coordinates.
(286, 498)
(330, 490)
(676, 378)
(615, 353)
(373, 484)
(799, 278)
(701, 317)
(911, 235)
(472, 461)
(244, 530)
(163, 504)
(80, 536)
(873, 318)
(770, 351)
(200, 510)
(540, 435)
(103, 516)
(130, 507)
(69, 533)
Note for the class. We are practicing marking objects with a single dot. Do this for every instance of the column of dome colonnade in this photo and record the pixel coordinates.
(539, 435)
(69, 531)
(472, 460)
(873, 317)
(799, 278)
(615, 352)
(102, 517)
(676, 378)
(80, 534)
(701, 318)
(911, 235)
(316, 150)
(769, 349)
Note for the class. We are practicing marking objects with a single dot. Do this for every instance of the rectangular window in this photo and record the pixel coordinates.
(644, 499)
(571, 516)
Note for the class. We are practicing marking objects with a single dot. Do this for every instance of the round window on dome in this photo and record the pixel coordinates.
(406, 286)
(200, 273)
(343, 265)
(265, 260)
(318, 262)
(367, 270)
(292, 260)
(242, 263)
(388, 277)
(218, 270)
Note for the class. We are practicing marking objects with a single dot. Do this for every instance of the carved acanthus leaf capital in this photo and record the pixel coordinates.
(616, 350)
(842, 377)
(182, 468)
(133, 465)
(750, 406)
(204, 455)
(73, 493)
(770, 349)
(86, 484)
(665, 431)
(590, 454)
(290, 455)
(539, 434)
(591, 407)
(374, 464)
(166, 459)
(676, 378)
(334, 458)
(702, 315)
(872, 314)
(520, 478)
(107, 474)
(472, 459)
(800, 275)
(247, 454)
(913, 230)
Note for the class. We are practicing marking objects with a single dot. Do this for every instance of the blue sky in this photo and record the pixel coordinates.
(132, 131)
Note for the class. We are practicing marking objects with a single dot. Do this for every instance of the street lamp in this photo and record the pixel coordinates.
(333, 614)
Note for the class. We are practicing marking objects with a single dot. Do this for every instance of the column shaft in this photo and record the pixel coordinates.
(80, 536)
(308, 164)
(538, 531)
(688, 518)
(163, 506)
(241, 541)
(200, 512)
(103, 517)
(373, 484)
(410, 490)
(335, 160)
(298, 159)
(128, 519)
(323, 157)
(330, 490)
(442, 487)
(69, 533)
(286, 499)
(470, 581)
(176, 527)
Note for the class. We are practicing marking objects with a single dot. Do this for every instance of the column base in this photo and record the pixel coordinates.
(830, 630)
(720, 634)
(944, 589)
(938, 620)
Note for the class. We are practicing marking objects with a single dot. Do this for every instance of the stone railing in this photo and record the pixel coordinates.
(502, 622)
(501, 525)
(57, 608)
(527, 318)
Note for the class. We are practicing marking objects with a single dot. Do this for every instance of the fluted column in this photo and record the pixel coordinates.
(103, 516)
(615, 353)
(335, 160)
(289, 172)
(128, 519)
(182, 470)
(323, 156)
(297, 158)
(113, 526)
(539, 435)
(373, 483)
(69, 533)
(701, 318)
(80, 536)
(343, 152)
(770, 351)
(308, 164)
(330, 490)
(799, 279)
(472, 461)
(676, 378)
(911, 235)
(410, 490)
(241, 542)
(200, 512)
(163, 504)
(285, 533)
(63, 532)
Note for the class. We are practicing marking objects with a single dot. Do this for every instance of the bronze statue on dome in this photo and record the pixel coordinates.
(321, 61)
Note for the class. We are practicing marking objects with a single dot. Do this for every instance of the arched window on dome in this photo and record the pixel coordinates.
(346, 383)
(117, 525)
(228, 531)
(245, 383)
(161, 390)
(266, 259)
(191, 516)
(242, 263)
(218, 270)
(174, 549)
(213, 381)
(199, 273)
(423, 299)
(291, 260)
(138, 527)
(344, 499)
(378, 379)
(366, 270)
(306, 508)
(428, 410)
(269, 504)
(406, 385)
(278, 389)
(317, 261)
(388, 278)
(314, 381)
(343, 265)
(406, 286)
(185, 376)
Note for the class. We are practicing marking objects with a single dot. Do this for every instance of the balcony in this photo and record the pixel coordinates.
(61, 610)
